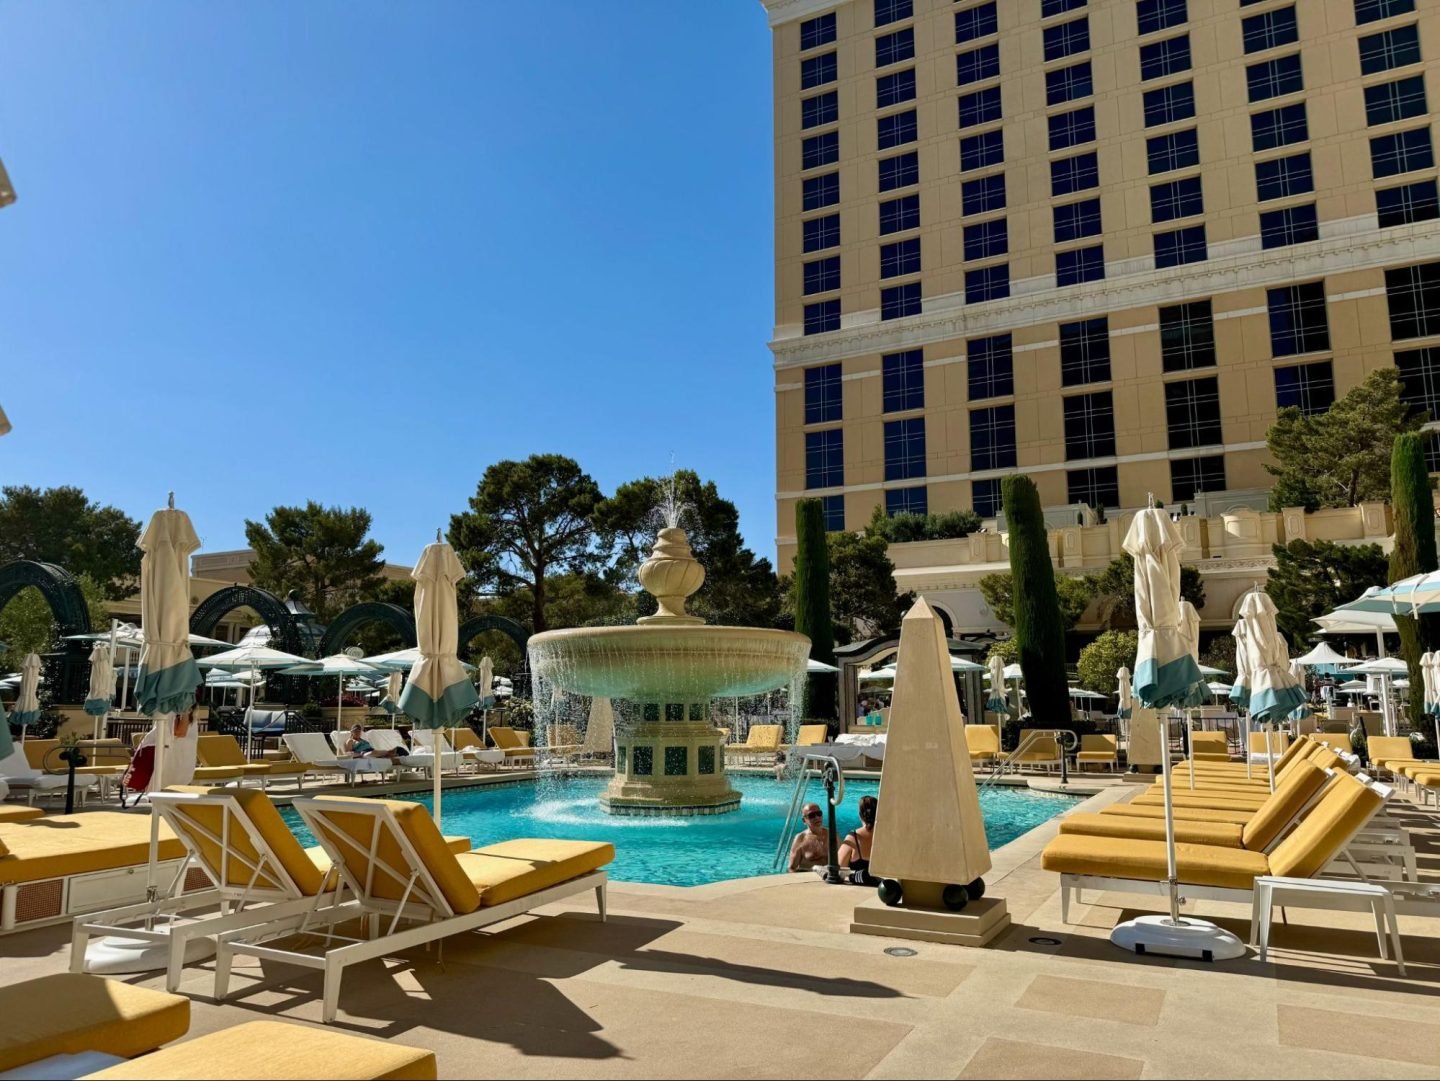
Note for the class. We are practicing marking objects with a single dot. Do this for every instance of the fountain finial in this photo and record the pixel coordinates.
(670, 575)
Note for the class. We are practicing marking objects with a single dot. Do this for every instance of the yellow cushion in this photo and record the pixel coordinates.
(270, 1049)
(219, 751)
(1346, 807)
(1200, 865)
(419, 829)
(981, 739)
(217, 773)
(16, 813)
(262, 815)
(1094, 756)
(511, 869)
(59, 845)
(323, 863)
(1381, 749)
(810, 734)
(1188, 814)
(1100, 744)
(1220, 800)
(1225, 834)
(1301, 783)
(71, 1012)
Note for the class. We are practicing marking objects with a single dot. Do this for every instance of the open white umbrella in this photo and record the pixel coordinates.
(338, 666)
(814, 667)
(960, 664)
(102, 684)
(252, 657)
(27, 702)
(402, 660)
(1165, 673)
(1274, 691)
(1303, 710)
(1323, 656)
(437, 693)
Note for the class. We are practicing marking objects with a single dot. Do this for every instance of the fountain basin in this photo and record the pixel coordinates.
(677, 662)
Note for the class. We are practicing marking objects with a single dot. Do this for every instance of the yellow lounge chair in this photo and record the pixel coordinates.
(811, 735)
(237, 837)
(1209, 746)
(69, 1014)
(983, 743)
(224, 751)
(1278, 745)
(509, 740)
(563, 741)
(1336, 741)
(1257, 833)
(38, 754)
(761, 741)
(59, 866)
(1212, 872)
(1098, 750)
(11, 812)
(1389, 752)
(1037, 748)
(396, 865)
(274, 1050)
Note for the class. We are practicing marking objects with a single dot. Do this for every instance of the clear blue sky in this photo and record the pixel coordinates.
(266, 252)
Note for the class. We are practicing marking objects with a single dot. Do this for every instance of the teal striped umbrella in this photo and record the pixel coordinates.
(27, 705)
(102, 684)
(438, 692)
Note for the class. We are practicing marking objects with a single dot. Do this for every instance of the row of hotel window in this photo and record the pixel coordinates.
(1298, 326)
(1172, 200)
(1151, 16)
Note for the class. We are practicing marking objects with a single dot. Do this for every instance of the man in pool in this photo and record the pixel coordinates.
(811, 847)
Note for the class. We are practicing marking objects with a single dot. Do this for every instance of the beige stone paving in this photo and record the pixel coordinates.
(759, 978)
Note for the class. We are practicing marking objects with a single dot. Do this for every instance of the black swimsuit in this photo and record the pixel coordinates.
(859, 867)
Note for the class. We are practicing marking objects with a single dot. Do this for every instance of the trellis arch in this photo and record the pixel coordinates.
(480, 624)
(347, 622)
(284, 634)
(66, 669)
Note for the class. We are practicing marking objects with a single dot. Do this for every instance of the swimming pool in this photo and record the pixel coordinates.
(684, 851)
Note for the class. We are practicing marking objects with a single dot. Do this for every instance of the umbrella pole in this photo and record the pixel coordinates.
(1247, 746)
(1190, 742)
(152, 867)
(340, 706)
(435, 779)
(1171, 873)
(1269, 755)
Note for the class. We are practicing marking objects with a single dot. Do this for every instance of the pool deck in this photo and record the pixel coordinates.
(759, 978)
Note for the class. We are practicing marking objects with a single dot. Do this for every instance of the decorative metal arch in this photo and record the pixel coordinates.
(284, 634)
(66, 670)
(345, 624)
(480, 624)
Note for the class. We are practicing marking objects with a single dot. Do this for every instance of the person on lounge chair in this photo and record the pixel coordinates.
(357, 746)
(811, 847)
(855, 849)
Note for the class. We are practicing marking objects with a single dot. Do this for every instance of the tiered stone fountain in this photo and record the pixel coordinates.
(669, 756)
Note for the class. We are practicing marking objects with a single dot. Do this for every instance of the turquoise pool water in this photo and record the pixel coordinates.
(684, 851)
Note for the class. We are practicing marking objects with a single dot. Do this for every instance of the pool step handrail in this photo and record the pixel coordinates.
(1065, 741)
(802, 777)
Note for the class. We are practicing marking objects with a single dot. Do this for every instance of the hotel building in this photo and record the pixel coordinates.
(1098, 242)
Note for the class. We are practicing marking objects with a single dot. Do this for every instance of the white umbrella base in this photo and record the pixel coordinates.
(115, 955)
(1187, 937)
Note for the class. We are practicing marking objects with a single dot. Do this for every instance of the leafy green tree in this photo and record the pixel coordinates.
(1074, 592)
(863, 599)
(27, 626)
(62, 526)
(1007, 649)
(1414, 553)
(1340, 457)
(901, 528)
(1102, 658)
(1114, 590)
(1039, 629)
(1311, 578)
(324, 553)
(1220, 653)
(812, 602)
(740, 588)
(529, 521)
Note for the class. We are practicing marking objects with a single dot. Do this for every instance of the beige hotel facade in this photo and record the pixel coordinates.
(1098, 243)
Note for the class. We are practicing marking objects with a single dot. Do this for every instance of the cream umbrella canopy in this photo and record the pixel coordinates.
(437, 692)
(27, 701)
(102, 684)
(485, 682)
(1166, 670)
(391, 702)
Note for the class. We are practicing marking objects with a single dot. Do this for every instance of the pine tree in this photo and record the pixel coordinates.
(1039, 630)
(812, 603)
(1414, 553)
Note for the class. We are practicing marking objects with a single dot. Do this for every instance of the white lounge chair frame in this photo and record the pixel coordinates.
(387, 739)
(181, 917)
(421, 900)
(19, 774)
(314, 749)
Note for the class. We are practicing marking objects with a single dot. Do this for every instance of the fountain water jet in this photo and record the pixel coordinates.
(669, 758)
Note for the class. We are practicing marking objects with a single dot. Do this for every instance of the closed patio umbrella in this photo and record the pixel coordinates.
(1124, 695)
(997, 703)
(391, 702)
(27, 701)
(1274, 691)
(1166, 671)
(437, 693)
(102, 684)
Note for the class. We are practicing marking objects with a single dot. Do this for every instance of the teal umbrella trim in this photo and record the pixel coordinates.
(170, 690)
(457, 700)
(1167, 684)
(1273, 705)
(97, 707)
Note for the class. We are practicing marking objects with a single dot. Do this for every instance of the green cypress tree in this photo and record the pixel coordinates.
(1414, 553)
(1039, 631)
(812, 603)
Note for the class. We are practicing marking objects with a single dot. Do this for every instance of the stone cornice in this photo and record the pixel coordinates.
(1038, 301)
(786, 11)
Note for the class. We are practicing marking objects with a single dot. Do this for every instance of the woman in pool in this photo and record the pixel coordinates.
(855, 849)
(357, 746)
